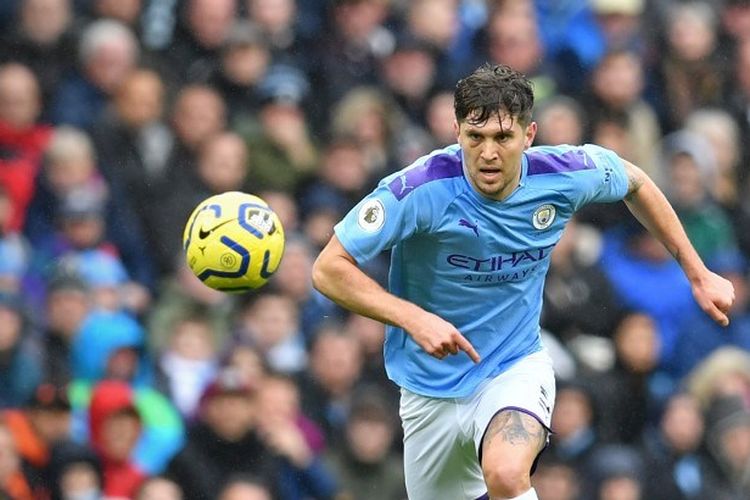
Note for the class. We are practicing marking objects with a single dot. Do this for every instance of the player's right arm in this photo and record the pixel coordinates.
(337, 276)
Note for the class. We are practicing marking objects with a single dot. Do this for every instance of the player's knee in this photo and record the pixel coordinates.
(506, 480)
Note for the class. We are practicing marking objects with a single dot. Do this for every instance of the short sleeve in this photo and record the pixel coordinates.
(605, 182)
(379, 222)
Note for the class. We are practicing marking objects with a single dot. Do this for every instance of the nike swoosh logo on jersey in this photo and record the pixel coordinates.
(203, 234)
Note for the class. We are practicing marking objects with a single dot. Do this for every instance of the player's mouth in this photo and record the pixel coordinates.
(490, 174)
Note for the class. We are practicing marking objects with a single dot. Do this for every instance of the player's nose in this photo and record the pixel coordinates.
(488, 152)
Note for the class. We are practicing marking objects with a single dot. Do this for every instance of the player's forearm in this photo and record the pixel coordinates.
(649, 205)
(343, 282)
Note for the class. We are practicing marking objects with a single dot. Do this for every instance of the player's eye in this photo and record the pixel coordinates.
(474, 136)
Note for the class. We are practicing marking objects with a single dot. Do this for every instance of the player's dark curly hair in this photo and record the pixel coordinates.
(493, 89)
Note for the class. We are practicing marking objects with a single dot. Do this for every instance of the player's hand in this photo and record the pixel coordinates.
(715, 295)
(439, 338)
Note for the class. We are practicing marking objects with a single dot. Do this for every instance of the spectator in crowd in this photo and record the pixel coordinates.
(617, 473)
(574, 421)
(22, 139)
(13, 482)
(221, 165)
(133, 144)
(409, 73)
(72, 190)
(245, 487)
(690, 75)
(728, 440)
(193, 53)
(330, 383)
(561, 120)
(110, 346)
(676, 466)
(724, 372)
(184, 295)
(370, 335)
(115, 428)
(226, 429)
(292, 435)
(512, 38)
(438, 23)
(15, 253)
(159, 488)
(246, 360)
(349, 56)
(293, 279)
(282, 152)
(690, 179)
(36, 429)
(369, 116)
(645, 278)
(277, 20)
(44, 38)
(438, 117)
(189, 363)
(68, 303)
(575, 283)
(697, 339)
(617, 85)
(270, 321)
(625, 394)
(75, 472)
(128, 12)
(555, 479)
(723, 135)
(20, 364)
(245, 59)
(108, 51)
(366, 463)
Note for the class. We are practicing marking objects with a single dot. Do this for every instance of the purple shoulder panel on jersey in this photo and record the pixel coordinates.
(440, 166)
(541, 162)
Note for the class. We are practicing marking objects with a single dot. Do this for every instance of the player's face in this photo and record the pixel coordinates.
(492, 153)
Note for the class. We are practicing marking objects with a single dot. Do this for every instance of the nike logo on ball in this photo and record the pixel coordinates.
(203, 234)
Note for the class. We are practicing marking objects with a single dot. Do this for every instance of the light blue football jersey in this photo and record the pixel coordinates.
(478, 263)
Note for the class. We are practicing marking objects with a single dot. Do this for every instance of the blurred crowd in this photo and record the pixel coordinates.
(122, 376)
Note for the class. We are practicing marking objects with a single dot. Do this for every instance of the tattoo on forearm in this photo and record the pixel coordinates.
(516, 428)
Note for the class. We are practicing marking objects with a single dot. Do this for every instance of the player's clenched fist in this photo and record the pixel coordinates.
(439, 338)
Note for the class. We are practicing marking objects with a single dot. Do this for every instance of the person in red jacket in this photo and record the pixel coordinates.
(115, 426)
(22, 139)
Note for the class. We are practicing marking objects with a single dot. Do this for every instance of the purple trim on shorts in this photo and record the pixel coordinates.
(441, 166)
(529, 413)
(569, 161)
(486, 496)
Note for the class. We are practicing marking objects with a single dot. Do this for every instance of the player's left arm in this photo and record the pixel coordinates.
(648, 204)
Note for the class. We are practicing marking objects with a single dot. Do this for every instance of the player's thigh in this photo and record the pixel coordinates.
(439, 459)
(515, 410)
(511, 444)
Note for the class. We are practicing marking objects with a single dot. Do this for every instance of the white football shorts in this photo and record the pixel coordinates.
(442, 437)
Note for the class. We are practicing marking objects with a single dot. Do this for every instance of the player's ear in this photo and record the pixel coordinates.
(530, 135)
(456, 127)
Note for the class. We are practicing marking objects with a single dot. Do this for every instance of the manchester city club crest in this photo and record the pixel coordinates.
(544, 216)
